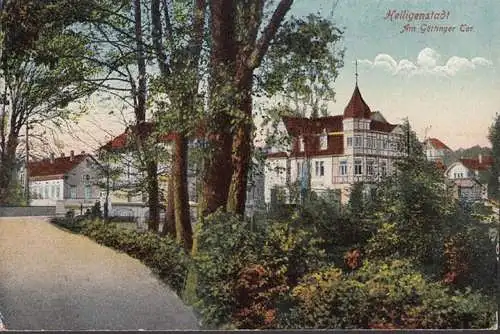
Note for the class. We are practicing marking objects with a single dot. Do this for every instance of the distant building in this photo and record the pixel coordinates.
(68, 182)
(435, 149)
(468, 176)
(334, 151)
(127, 199)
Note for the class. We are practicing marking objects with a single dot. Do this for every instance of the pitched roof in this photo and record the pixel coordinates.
(59, 167)
(357, 107)
(298, 126)
(311, 130)
(145, 130)
(437, 144)
(475, 164)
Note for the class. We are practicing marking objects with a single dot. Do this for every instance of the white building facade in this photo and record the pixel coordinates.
(67, 182)
(466, 175)
(359, 146)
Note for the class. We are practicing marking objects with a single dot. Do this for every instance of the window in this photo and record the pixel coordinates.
(358, 141)
(320, 168)
(300, 171)
(301, 144)
(383, 168)
(358, 167)
(349, 141)
(53, 191)
(370, 143)
(58, 192)
(343, 167)
(458, 175)
(46, 190)
(72, 192)
(323, 141)
(369, 167)
(86, 178)
(88, 191)
(385, 143)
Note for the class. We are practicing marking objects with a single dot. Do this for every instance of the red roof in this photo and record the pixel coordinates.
(381, 126)
(474, 164)
(357, 107)
(58, 167)
(145, 130)
(437, 144)
(311, 130)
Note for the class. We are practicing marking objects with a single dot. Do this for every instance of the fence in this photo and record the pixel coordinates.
(19, 211)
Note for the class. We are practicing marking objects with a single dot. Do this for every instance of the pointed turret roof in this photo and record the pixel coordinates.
(357, 107)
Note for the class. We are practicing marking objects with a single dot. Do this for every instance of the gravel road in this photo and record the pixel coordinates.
(54, 280)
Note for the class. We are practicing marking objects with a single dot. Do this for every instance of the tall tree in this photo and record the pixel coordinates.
(43, 68)
(494, 178)
(180, 78)
(119, 33)
(235, 54)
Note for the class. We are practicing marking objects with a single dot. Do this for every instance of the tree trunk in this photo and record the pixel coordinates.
(250, 54)
(242, 152)
(140, 117)
(153, 196)
(169, 224)
(8, 168)
(184, 231)
(218, 168)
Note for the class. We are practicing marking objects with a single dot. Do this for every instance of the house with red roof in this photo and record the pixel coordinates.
(468, 177)
(333, 152)
(67, 181)
(435, 149)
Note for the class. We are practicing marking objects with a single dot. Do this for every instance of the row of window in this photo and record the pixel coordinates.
(319, 168)
(53, 192)
(372, 142)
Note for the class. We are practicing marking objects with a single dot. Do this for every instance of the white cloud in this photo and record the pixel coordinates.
(427, 63)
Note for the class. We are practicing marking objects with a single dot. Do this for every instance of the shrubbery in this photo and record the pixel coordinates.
(385, 295)
(245, 270)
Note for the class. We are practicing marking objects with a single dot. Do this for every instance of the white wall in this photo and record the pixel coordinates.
(456, 169)
(46, 193)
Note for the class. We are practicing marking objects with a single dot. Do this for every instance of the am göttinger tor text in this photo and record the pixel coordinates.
(428, 21)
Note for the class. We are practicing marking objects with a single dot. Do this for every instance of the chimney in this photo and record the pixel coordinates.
(52, 156)
(480, 158)
(71, 155)
(62, 155)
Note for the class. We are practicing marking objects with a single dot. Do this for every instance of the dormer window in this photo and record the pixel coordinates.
(323, 141)
(301, 144)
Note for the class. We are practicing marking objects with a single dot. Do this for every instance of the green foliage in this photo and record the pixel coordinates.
(226, 245)
(414, 211)
(494, 182)
(303, 62)
(237, 257)
(385, 295)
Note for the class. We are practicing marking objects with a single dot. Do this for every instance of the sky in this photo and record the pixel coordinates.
(440, 70)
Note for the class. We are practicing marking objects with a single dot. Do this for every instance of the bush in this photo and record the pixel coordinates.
(245, 269)
(226, 244)
(161, 254)
(385, 295)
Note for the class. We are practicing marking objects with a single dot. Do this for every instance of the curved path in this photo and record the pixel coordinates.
(54, 280)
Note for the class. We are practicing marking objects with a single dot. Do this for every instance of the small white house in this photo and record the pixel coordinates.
(67, 182)
(466, 174)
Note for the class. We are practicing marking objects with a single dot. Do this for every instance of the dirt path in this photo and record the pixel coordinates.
(51, 279)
